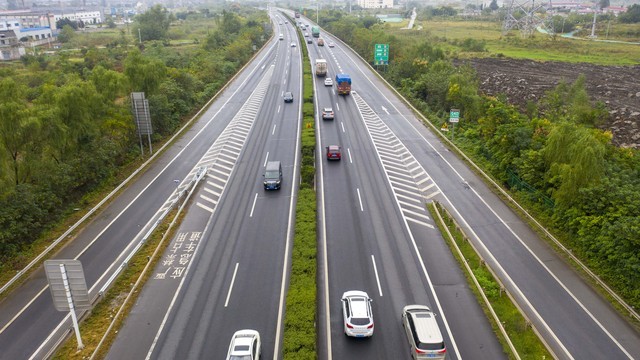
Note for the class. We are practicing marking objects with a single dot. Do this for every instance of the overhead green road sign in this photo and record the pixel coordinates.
(381, 54)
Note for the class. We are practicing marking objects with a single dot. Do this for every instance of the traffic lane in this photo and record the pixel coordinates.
(246, 298)
(362, 245)
(474, 336)
(247, 174)
(452, 265)
(463, 187)
(96, 259)
(541, 289)
(103, 220)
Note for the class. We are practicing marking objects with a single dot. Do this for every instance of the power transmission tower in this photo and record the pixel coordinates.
(523, 15)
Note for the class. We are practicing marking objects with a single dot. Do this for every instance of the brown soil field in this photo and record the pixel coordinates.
(618, 87)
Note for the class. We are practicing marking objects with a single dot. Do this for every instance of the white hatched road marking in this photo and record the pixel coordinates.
(222, 156)
(404, 172)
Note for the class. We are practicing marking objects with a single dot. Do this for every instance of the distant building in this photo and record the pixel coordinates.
(33, 33)
(375, 4)
(9, 46)
(615, 10)
(87, 17)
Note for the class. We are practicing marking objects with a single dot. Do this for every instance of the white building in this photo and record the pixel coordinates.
(32, 33)
(87, 17)
(375, 4)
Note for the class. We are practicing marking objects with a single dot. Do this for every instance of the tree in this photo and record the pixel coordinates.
(230, 23)
(65, 21)
(494, 5)
(18, 128)
(575, 156)
(144, 74)
(66, 34)
(154, 23)
(632, 16)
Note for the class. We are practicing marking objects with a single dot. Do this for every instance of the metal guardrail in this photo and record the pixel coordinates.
(504, 333)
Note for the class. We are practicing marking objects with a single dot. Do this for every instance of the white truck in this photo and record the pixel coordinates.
(321, 67)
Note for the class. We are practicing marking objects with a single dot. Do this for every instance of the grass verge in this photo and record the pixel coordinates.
(300, 316)
(526, 343)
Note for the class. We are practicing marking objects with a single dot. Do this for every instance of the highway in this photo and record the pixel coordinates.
(29, 325)
(236, 245)
(575, 321)
(377, 230)
(226, 267)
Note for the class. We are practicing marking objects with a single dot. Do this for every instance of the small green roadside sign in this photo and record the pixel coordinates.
(454, 115)
(381, 54)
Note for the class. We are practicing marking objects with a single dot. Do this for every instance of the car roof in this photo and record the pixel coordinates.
(425, 322)
(243, 338)
(333, 147)
(328, 109)
(358, 301)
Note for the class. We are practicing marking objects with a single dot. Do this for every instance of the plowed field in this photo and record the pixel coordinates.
(618, 87)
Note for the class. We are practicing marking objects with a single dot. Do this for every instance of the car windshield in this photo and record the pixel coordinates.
(271, 175)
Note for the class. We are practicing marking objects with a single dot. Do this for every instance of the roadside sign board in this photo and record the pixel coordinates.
(454, 115)
(381, 54)
(76, 282)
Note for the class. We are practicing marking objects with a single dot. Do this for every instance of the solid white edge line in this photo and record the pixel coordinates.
(233, 280)
(255, 199)
(375, 270)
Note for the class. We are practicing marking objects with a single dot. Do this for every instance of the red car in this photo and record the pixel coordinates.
(334, 152)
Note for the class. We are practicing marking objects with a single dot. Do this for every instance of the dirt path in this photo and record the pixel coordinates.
(618, 87)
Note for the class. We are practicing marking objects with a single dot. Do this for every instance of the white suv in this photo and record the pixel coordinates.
(245, 345)
(357, 314)
(423, 333)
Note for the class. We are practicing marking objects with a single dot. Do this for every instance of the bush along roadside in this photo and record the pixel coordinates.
(300, 316)
(513, 330)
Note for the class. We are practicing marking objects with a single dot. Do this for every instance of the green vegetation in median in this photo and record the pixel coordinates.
(300, 336)
(524, 339)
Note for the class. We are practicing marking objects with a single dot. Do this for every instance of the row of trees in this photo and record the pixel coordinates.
(66, 124)
(551, 154)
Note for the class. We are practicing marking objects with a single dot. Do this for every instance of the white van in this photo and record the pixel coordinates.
(281, 36)
(423, 333)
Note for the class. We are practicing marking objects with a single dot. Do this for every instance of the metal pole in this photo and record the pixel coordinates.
(139, 36)
(72, 310)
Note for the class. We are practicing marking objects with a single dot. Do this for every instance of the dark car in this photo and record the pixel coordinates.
(288, 96)
(327, 114)
(334, 152)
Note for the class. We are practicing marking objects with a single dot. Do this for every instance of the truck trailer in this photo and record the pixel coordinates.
(321, 67)
(343, 83)
(315, 31)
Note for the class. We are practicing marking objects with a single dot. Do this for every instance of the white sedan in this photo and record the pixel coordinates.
(328, 82)
(245, 344)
